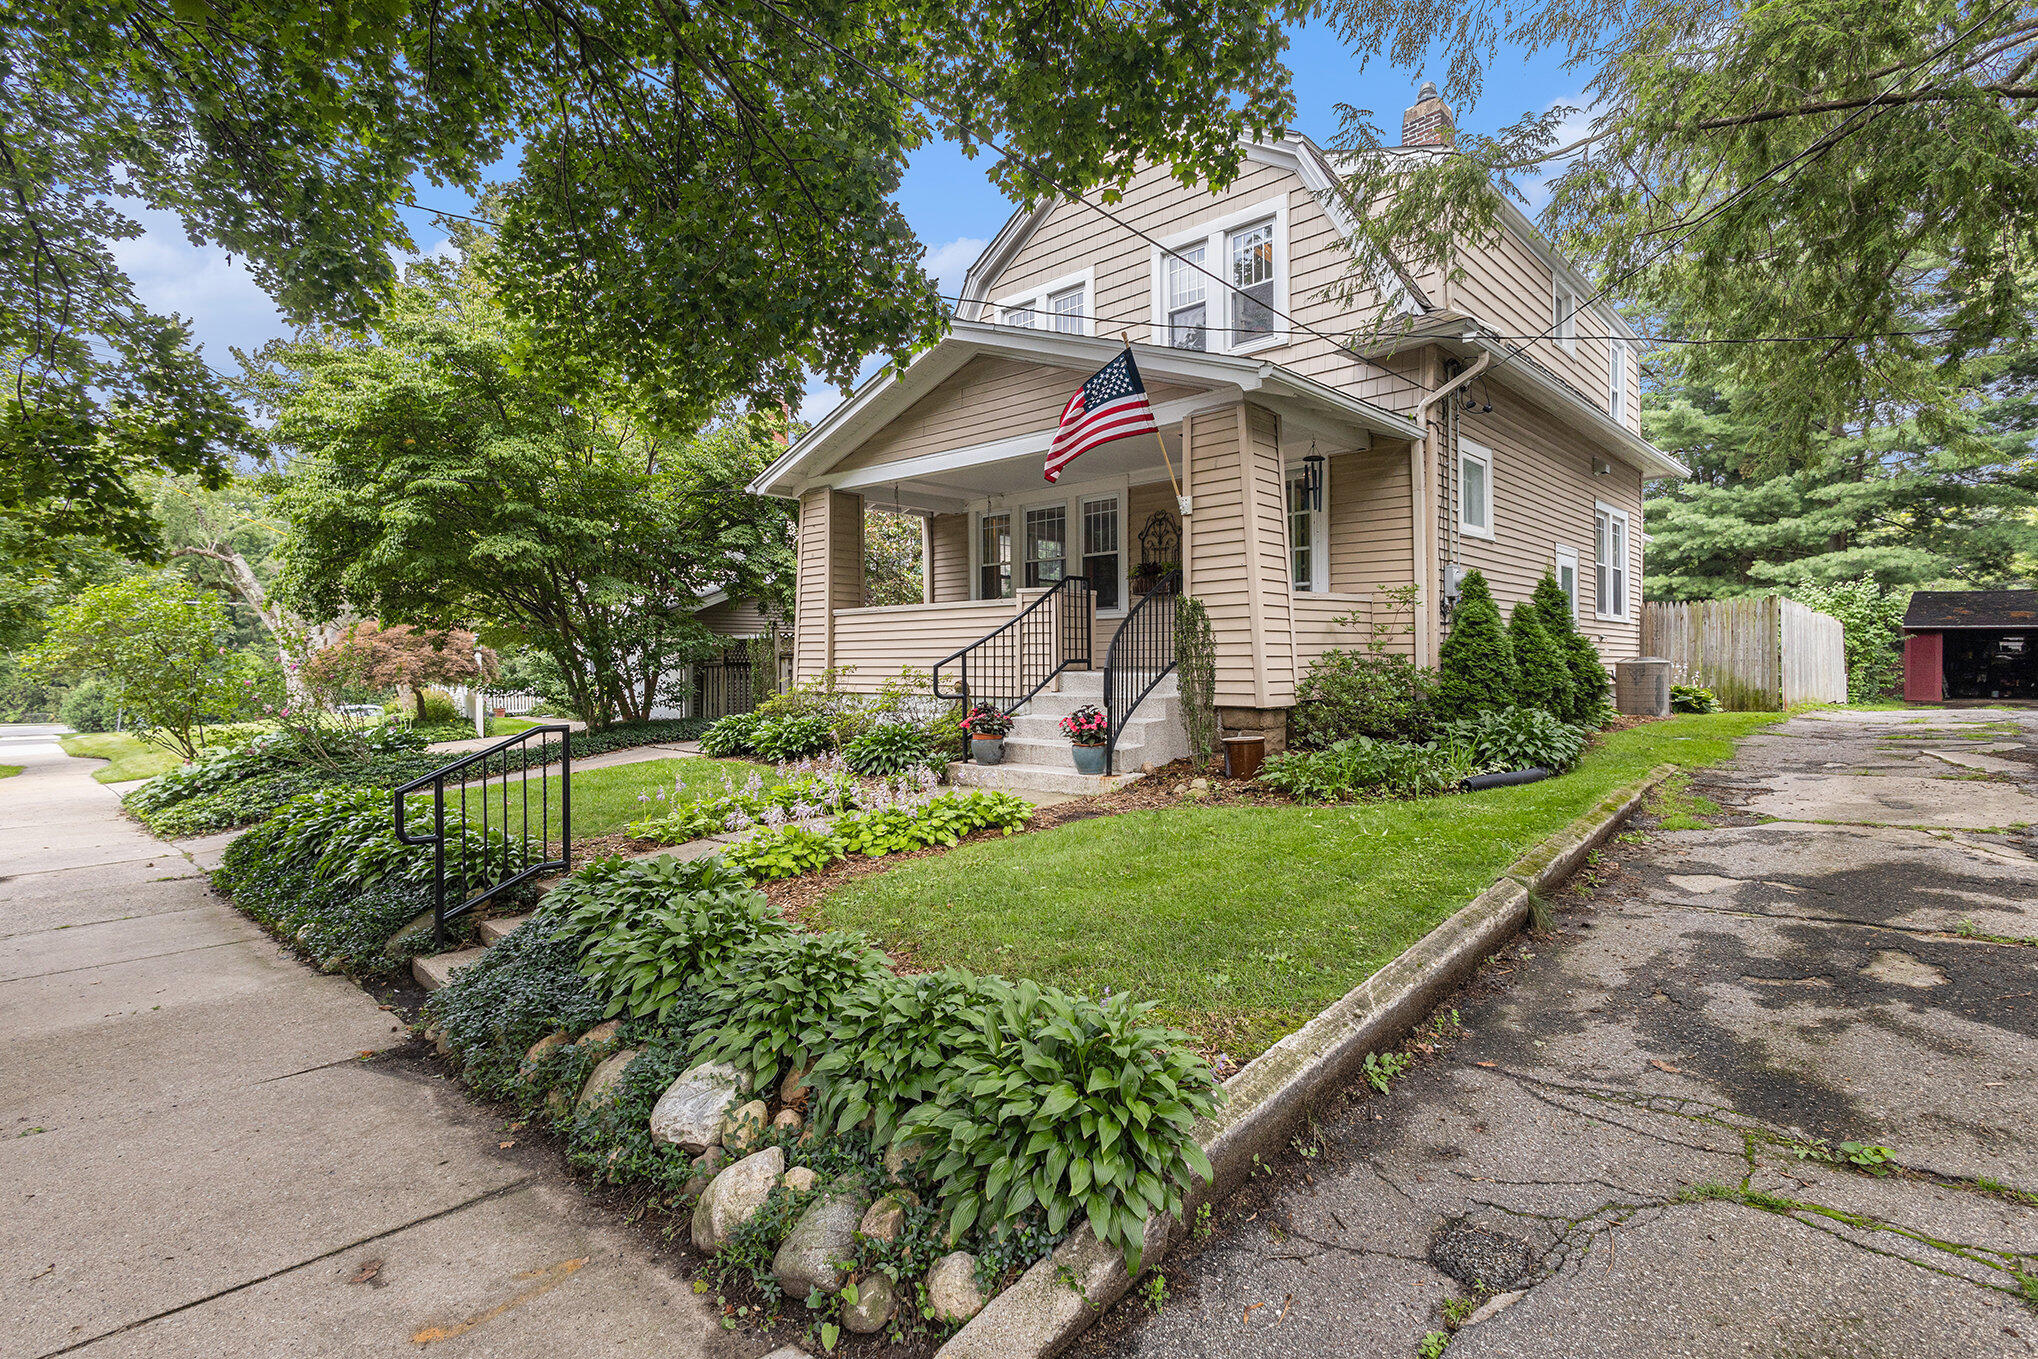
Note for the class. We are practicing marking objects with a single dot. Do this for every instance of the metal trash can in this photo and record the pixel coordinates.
(1641, 687)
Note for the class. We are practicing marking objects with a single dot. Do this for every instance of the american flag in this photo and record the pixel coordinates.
(1111, 404)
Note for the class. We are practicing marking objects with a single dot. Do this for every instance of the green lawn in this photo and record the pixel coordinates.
(607, 799)
(131, 758)
(1242, 921)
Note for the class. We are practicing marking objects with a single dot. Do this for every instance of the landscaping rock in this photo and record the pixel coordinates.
(787, 1118)
(602, 1032)
(733, 1197)
(1199, 785)
(601, 1085)
(704, 1167)
(793, 1090)
(885, 1218)
(900, 1155)
(952, 1287)
(689, 1114)
(874, 1305)
(811, 1256)
(542, 1049)
(800, 1178)
(743, 1126)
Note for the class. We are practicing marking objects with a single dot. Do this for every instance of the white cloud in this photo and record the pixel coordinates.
(219, 297)
(948, 263)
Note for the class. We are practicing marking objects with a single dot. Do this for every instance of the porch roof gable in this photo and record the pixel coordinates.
(889, 394)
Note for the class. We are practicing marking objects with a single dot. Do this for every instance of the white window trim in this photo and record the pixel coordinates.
(1566, 327)
(1618, 357)
(1217, 260)
(1481, 454)
(1071, 496)
(1568, 556)
(1319, 534)
(1035, 301)
(1625, 565)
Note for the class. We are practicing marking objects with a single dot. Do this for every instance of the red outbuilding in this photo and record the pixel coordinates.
(1971, 644)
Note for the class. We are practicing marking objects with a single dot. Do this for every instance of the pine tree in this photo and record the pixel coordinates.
(1544, 672)
(1476, 671)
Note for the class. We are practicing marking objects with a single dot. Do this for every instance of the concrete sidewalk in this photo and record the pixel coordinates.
(209, 1149)
(1617, 1142)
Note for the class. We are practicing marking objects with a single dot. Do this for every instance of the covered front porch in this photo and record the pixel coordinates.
(1283, 506)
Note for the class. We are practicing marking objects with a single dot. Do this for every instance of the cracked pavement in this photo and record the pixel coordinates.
(1628, 1125)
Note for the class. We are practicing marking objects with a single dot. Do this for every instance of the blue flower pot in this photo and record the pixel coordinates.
(1090, 759)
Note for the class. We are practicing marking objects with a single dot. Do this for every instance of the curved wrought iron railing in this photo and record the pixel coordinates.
(1009, 665)
(1141, 654)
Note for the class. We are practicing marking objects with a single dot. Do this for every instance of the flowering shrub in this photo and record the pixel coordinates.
(1087, 726)
(986, 723)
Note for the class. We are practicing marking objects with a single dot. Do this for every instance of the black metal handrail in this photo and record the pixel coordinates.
(517, 756)
(1012, 663)
(1141, 654)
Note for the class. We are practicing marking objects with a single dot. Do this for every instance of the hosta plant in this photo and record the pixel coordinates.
(646, 964)
(1519, 738)
(784, 1001)
(784, 851)
(1068, 1105)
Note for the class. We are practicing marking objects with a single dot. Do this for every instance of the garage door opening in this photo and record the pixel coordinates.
(1975, 644)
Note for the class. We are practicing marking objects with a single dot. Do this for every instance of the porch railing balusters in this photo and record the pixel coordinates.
(1009, 665)
(1141, 654)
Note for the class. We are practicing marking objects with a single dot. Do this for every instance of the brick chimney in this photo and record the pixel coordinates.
(1428, 120)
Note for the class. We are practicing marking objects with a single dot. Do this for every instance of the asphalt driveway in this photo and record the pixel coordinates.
(1630, 1142)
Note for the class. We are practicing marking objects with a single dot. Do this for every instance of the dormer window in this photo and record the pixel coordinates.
(1064, 305)
(1224, 287)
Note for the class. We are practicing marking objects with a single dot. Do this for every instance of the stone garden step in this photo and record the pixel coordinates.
(434, 971)
(495, 929)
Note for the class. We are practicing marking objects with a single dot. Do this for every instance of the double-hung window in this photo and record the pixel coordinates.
(1566, 317)
(1610, 562)
(1224, 288)
(1567, 576)
(1475, 489)
(994, 556)
(1188, 294)
(1617, 381)
(1100, 549)
(1066, 308)
(1252, 282)
(1307, 565)
(1046, 545)
(1061, 305)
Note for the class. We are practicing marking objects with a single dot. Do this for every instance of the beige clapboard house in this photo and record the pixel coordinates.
(1317, 475)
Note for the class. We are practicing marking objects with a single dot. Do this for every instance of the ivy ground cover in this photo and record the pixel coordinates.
(1242, 921)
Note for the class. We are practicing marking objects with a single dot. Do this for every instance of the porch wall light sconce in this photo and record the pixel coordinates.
(1312, 479)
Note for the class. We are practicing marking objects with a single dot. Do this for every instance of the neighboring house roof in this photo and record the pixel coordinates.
(889, 393)
(1940, 610)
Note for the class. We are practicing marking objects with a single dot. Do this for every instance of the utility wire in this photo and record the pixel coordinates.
(1071, 195)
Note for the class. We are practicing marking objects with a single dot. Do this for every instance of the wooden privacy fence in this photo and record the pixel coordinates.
(1756, 653)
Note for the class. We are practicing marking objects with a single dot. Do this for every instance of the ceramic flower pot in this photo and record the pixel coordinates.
(987, 749)
(1090, 759)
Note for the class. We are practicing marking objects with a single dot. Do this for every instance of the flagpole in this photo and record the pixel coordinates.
(1125, 337)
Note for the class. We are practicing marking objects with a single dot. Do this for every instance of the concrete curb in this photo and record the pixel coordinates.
(1059, 1297)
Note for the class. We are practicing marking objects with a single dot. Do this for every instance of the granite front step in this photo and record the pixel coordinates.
(435, 971)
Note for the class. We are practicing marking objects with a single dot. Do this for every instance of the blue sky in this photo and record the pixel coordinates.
(945, 197)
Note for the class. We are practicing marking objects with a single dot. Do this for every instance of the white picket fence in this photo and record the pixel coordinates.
(513, 704)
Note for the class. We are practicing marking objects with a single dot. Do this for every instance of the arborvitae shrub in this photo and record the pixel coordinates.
(1589, 703)
(1476, 671)
(1545, 672)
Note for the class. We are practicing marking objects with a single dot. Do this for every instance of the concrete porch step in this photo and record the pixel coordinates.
(1038, 726)
(1026, 778)
(1053, 752)
(435, 971)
